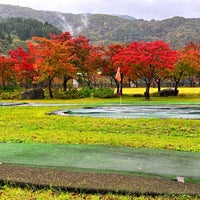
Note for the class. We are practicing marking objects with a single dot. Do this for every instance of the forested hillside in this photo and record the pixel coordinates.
(15, 31)
(177, 31)
(106, 29)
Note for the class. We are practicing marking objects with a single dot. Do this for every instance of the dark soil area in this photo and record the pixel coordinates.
(92, 182)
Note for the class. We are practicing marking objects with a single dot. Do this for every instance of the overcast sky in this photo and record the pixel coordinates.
(140, 9)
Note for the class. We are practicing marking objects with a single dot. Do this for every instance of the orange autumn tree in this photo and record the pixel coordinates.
(187, 64)
(66, 39)
(54, 60)
(85, 57)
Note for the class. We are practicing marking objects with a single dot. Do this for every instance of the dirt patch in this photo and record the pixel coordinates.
(92, 182)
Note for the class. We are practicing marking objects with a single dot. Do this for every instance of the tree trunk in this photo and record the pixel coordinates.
(158, 82)
(3, 85)
(117, 85)
(50, 87)
(159, 85)
(65, 83)
(176, 83)
(147, 92)
(111, 82)
(176, 88)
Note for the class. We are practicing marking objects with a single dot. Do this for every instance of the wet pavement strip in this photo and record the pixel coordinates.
(103, 158)
(86, 166)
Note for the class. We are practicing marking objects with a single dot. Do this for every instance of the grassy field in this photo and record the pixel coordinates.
(33, 125)
(7, 193)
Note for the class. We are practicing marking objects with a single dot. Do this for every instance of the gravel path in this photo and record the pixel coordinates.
(92, 182)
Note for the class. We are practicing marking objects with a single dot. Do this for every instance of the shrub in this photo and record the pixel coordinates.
(10, 95)
(85, 92)
(71, 93)
(103, 93)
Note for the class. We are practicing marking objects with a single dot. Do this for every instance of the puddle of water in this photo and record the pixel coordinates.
(172, 111)
(124, 111)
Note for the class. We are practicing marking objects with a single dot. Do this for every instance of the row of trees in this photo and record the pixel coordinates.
(62, 58)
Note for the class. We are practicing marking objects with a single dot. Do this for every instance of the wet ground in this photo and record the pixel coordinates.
(98, 168)
(130, 111)
(185, 111)
(105, 167)
(164, 163)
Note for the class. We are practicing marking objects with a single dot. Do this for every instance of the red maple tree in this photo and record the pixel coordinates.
(24, 65)
(87, 59)
(147, 61)
(110, 68)
(6, 70)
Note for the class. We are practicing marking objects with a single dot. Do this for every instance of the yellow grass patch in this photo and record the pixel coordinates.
(182, 90)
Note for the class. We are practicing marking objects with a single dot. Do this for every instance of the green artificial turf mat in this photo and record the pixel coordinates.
(106, 159)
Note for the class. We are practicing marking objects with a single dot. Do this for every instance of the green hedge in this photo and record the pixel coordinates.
(103, 93)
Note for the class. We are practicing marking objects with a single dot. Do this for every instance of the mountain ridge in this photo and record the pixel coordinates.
(106, 29)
